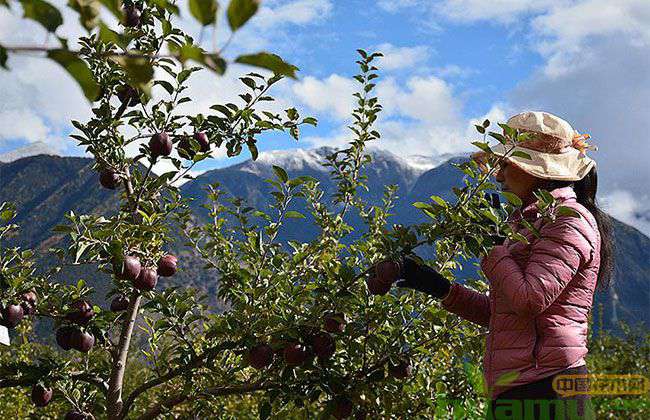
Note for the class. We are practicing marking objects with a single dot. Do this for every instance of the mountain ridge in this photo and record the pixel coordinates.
(47, 187)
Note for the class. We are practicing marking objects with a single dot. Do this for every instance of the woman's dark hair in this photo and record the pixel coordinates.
(585, 190)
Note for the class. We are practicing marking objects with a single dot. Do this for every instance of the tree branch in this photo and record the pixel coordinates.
(176, 399)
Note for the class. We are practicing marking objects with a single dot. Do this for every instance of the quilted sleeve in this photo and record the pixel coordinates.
(468, 304)
(564, 245)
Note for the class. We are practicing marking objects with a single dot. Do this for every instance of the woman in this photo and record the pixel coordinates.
(541, 293)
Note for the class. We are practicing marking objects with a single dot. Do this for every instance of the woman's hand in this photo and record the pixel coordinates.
(423, 278)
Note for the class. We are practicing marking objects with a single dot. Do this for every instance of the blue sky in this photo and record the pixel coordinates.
(448, 63)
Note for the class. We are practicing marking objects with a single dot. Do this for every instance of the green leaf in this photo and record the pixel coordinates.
(264, 410)
(486, 123)
(88, 12)
(138, 69)
(3, 57)
(78, 69)
(310, 120)
(294, 215)
(253, 149)
(567, 211)
(483, 146)
(205, 11)
(512, 198)
(280, 173)
(521, 154)
(480, 129)
(439, 200)
(114, 6)
(500, 138)
(43, 13)
(239, 11)
(268, 61)
(507, 378)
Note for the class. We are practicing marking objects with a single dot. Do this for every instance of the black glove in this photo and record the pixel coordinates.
(423, 278)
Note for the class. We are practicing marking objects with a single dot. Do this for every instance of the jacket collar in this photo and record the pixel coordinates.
(560, 194)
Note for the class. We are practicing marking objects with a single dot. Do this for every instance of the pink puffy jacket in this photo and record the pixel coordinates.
(539, 299)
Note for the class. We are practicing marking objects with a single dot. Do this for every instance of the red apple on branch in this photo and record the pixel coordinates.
(401, 370)
(146, 280)
(260, 356)
(41, 395)
(12, 314)
(376, 287)
(334, 323)
(167, 265)
(185, 149)
(160, 145)
(387, 272)
(131, 16)
(81, 312)
(30, 300)
(64, 337)
(82, 341)
(130, 269)
(324, 345)
(109, 179)
(119, 303)
(295, 354)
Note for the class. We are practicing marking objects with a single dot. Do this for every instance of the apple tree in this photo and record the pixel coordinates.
(308, 328)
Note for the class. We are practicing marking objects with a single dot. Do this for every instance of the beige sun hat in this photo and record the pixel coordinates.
(556, 150)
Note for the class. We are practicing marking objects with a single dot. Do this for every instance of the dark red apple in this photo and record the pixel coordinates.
(82, 341)
(295, 354)
(81, 312)
(64, 337)
(160, 145)
(260, 356)
(334, 323)
(146, 280)
(185, 149)
(109, 179)
(29, 302)
(324, 345)
(387, 272)
(131, 16)
(342, 408)
(127, 93)
(12, 314)
(401, 370)
(167, 265)
(130, 268)
(376, 287)
(119, 303)
(41, 395)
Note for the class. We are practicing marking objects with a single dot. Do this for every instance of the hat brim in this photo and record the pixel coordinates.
(568, 166)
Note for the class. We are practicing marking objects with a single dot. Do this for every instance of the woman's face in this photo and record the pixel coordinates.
(516, 181)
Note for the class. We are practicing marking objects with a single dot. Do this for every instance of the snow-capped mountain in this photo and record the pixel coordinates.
(33, 149)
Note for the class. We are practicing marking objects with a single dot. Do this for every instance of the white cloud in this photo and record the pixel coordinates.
(297, 12)
(332, 95)
(454, 71)
(395, 5)
(629, 208)
(401, 57)
(31, 127)
(503, 11)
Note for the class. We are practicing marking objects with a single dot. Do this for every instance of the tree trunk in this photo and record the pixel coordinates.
(114, 400)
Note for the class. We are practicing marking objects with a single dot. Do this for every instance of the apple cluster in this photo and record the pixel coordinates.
(14, 312)
(382, 277)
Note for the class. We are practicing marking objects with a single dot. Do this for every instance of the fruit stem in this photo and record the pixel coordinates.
(114, 400)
